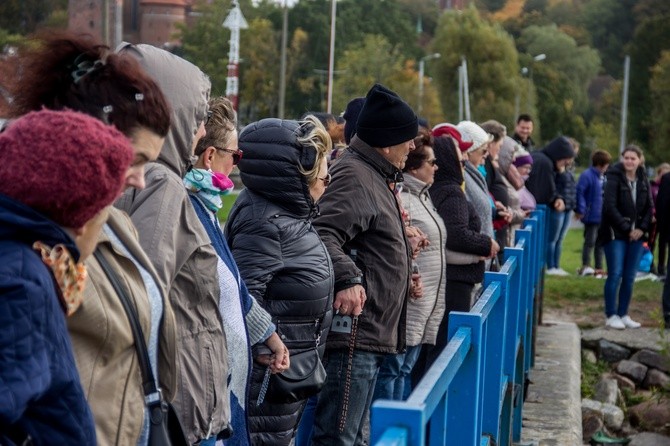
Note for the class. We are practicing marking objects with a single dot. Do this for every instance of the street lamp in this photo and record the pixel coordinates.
(422, 64)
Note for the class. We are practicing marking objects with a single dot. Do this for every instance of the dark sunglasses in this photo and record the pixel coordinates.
(237, 154)
(432, 162)
(326, 180)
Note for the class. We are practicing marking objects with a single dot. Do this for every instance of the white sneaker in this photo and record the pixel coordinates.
(587, 271)
(630, 323)
(615, 322)
(553, 272)
(561, 272)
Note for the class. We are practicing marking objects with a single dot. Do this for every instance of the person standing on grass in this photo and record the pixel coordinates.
(547, 164)
(663, 222)
(589, 210)
(625, 225)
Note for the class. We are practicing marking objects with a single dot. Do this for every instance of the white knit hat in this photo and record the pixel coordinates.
(472, 132)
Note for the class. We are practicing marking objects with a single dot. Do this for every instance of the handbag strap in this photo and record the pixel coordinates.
(148, 381)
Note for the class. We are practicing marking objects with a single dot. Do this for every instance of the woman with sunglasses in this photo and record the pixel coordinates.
(282, 260)
(246, 323)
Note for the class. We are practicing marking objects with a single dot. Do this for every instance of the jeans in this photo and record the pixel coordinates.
(558, 227)
(590, 236)
(623, 258)
(364, 369)
(303, 436)
(394, 381)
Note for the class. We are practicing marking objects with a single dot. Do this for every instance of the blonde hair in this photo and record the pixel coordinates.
(220, 125)
(316, 137)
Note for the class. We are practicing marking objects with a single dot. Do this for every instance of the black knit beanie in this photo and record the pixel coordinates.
(385, 119)
(350, 117)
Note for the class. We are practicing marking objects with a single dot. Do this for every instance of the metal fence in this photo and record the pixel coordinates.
(473, 394)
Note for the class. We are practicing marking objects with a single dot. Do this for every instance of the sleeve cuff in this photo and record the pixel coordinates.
(259, 323)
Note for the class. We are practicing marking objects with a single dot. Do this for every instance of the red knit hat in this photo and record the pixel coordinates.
(63, 164)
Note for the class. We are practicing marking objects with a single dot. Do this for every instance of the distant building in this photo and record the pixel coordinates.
(146, 21)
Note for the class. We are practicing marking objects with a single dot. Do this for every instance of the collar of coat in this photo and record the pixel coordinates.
(371, 156)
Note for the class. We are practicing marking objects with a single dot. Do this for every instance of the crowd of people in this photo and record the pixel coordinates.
(130, 314)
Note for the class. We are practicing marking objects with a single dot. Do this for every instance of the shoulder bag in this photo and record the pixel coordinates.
(164, 426)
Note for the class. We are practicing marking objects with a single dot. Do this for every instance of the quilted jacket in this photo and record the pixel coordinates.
(424, 314)
(280, 257)
(40, 393)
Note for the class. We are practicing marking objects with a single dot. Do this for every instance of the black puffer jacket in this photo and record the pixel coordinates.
(542, 180)
(280, 256)
(459, 215)
(620, 214)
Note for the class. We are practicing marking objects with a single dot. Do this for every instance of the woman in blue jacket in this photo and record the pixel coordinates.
(60, 170)
(589, 209)
(245, 321)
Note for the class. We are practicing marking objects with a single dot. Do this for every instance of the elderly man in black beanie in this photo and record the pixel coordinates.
(362, 228)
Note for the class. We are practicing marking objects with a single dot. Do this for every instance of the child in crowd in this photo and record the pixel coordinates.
(589, 210)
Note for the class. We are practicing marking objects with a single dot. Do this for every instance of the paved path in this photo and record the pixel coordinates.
(552, 412)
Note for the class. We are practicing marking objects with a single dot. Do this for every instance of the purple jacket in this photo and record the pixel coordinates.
(590, 196)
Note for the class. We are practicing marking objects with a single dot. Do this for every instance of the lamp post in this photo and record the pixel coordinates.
(529, 71)
(422, 65)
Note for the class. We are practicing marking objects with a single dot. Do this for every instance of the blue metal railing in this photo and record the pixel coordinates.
(473, 393)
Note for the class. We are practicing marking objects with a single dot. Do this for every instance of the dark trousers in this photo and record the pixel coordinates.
(590, 236)
(666, 304)
(663, 242)
(458, 297)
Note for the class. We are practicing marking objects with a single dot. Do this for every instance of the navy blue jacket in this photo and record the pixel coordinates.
(40, 392)
(590, 196)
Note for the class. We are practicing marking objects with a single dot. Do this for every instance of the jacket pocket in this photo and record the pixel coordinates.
(201, 383)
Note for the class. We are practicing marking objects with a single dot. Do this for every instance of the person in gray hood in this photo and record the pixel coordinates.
(178, 245)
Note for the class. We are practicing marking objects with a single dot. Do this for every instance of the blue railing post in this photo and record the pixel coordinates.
(473, 393)
(464, 393)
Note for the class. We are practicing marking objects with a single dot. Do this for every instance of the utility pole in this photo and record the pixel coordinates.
(624, 104)
(235, 21)
(282, 63)
(422, 63)
(331, 57)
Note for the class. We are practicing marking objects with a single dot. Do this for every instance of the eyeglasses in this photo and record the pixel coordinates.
(432, 162)
(326, 179)
(237, 154)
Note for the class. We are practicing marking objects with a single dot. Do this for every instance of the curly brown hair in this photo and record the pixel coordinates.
(61, 69)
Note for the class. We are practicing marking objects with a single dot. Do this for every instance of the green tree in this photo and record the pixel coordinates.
(259, 71)
(610, 24)
(493, 66)
(205, 43)
(659, 89)
(651, 37)
(580, 64)
(24, 16)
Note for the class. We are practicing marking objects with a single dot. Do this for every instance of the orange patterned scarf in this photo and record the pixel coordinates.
(69, 276)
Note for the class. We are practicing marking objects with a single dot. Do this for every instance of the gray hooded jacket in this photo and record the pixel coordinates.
(177, 244)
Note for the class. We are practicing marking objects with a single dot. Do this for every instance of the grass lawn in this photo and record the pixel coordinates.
(581, 298)
(228, 201)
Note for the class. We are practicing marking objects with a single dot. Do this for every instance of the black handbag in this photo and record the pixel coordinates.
(164, 426)
(304, 378)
